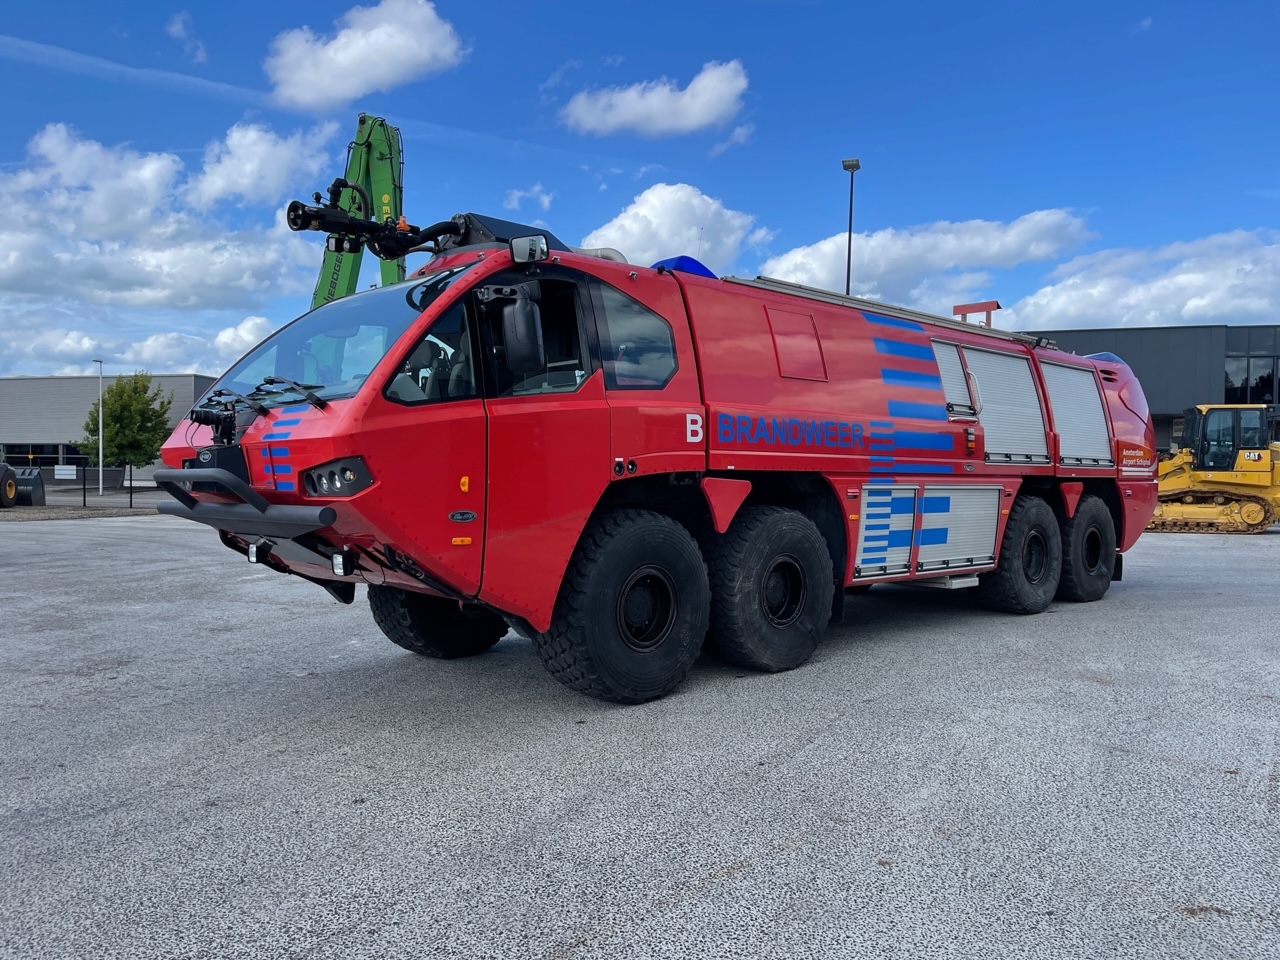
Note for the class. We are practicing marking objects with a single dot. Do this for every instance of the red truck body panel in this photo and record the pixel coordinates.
(486, 497)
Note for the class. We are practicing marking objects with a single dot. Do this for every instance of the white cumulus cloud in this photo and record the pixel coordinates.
(930, 266)
(179, 27)
(233, 342)
(1225, 278)
(374, 50)
(739, 136)
(102, 254)
(255, 164)
(660, 107)
(535, 193)
(670, 219)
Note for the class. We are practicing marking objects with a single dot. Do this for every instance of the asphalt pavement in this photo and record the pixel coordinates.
(200, 758)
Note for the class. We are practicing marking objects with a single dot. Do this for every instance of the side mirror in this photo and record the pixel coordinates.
(529, 249)
(522, 335)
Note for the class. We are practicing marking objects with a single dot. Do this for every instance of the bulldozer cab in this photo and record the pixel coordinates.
(1226, 437)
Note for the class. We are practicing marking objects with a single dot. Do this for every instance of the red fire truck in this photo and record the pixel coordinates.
(626, 464)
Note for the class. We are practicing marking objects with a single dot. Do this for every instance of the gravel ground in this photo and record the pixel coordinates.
(202, 759)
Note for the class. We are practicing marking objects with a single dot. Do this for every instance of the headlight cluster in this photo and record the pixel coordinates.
(339, 478)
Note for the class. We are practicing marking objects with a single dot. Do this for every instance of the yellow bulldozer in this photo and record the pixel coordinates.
(1224, 477)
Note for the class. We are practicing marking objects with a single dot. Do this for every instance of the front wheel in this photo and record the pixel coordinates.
(1030, 566)
(434, 626)
(632, 611)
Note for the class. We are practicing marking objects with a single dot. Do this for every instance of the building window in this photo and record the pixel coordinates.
(1262, 379)
(1237, 385)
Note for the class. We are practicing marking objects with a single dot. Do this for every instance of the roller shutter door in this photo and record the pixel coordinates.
(954, 382)
(1078, 415)
(1010, 416)
(957, 527)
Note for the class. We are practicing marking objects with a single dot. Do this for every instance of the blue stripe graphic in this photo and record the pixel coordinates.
(931, 538)
(892, 322)
(880, 480)
(935, 504)
(903, 505)
(287, 423)
(897, 348)
(285, 485)
(918, 411)
(908, 468)
(914, 440)
(295, 408)
(909, 378)
(279, 451)
(881, 424)
(280, 468)
(278, 435)
(875, 526)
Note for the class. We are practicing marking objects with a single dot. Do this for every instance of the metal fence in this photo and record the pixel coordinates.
(75, 482)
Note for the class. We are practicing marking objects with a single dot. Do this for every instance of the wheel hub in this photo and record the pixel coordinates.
(1035, 557)
(783, 591)
(1092, 550)
(646, 608)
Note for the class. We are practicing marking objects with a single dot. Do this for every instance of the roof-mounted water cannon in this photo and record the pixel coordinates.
(387, 239)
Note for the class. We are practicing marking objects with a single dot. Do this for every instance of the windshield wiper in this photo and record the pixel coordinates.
(302, 388)
(253, 405)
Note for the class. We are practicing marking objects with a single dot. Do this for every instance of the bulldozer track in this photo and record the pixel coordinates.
(1235, 524)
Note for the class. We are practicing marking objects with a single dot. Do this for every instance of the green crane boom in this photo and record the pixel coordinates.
(375, 163)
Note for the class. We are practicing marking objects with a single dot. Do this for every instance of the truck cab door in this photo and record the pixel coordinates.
(658, 420)
(548, 442)
(425, 433)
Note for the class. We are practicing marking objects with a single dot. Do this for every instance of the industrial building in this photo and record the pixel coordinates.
(42, 418)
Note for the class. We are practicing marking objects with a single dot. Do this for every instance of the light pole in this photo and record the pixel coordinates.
(853, 166)
(99, 363)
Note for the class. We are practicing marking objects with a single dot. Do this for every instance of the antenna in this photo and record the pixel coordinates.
(699, 253)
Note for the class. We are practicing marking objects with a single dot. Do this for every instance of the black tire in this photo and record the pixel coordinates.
(632, 612)
(1088, 552)
(8, 487)
(1027, 574)
(772, 584)
(434, 626)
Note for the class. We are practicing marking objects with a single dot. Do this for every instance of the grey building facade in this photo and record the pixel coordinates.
(1180, 367)
(42, 418)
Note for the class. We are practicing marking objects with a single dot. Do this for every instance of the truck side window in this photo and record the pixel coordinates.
(567, 360)
(439, 367)
(636, 345)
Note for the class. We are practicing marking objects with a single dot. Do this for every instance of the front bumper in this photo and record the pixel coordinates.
(253, 517)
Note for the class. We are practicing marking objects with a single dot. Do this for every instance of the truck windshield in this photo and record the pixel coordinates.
(331, 349)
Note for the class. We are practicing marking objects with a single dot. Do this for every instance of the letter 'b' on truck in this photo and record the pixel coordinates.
(627, 465)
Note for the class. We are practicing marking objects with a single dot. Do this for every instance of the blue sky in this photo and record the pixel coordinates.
(1088, 164)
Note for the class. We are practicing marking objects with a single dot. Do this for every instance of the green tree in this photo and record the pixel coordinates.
(134, 425)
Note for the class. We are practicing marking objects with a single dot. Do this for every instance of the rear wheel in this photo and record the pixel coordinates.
(632, 612)
(1027, 574)
(1088, 551)
(434, 626)
(771, 586)
(8, 487)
